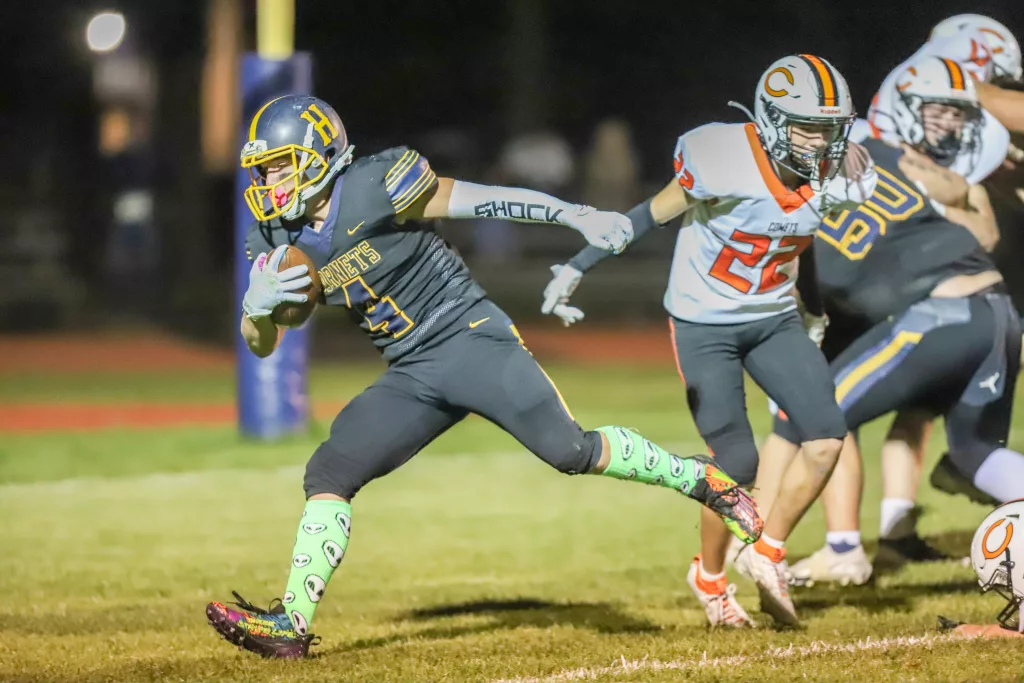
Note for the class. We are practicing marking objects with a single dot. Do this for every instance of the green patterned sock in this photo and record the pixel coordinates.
(634, 457)
(697, 477)
(319, 546)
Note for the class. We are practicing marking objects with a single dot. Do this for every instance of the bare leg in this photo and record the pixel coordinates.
(775, 458)
(902, 461)
(841, 497)
(802, 486)
(714, 542)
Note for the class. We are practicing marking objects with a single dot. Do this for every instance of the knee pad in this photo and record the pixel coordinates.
(576, 457)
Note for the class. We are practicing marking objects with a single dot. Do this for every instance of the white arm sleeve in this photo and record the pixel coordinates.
(469, 200)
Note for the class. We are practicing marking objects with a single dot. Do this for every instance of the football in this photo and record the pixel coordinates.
(294, 314)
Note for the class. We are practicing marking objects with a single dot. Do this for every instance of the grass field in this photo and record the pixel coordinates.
(474, 562)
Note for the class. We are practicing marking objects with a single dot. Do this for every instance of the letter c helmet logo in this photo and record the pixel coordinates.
(993, 554)
(768, 81)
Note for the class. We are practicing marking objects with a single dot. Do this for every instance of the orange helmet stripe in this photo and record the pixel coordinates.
(956, 74)
(823, 74)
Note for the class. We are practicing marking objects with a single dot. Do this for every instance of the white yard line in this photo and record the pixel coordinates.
(626, 666)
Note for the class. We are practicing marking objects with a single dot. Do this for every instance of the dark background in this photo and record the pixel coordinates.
(419, 73)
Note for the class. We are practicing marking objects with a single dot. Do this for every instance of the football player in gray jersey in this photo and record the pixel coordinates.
(450, 350)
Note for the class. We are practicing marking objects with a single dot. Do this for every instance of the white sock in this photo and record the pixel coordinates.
(894, 510)
(843, 539)
(771, 542)
(1002, 475)
(706, 575)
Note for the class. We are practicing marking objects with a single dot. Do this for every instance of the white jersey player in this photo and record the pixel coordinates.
(980, 52)
(751, 197)
(1000, 95)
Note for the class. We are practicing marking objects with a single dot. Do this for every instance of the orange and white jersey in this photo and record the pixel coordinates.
(970, 51)
(735, 254)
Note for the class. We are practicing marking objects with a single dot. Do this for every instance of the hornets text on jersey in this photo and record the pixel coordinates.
(402, 282)
(892, 250)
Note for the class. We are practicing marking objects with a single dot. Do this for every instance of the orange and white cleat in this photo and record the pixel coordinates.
(768, 569)
(718, 598)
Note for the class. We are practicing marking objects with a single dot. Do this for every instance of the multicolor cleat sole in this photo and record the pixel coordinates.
(257, 632)
(722, 495)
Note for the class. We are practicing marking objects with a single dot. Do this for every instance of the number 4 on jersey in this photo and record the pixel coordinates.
(759, 246)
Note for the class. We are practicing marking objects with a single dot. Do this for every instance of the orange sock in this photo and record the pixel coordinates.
(715, 586)
(771, 552)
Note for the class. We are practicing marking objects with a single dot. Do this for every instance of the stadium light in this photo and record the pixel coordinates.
(105, 31)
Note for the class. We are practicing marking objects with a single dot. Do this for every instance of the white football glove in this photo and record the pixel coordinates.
(816, 326)
(557, 293)
(606, 230)
(268, 288)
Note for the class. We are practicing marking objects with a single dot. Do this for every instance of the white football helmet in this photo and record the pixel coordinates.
(940, 81)
(997, 555)
(1004, 47)
(804, 90)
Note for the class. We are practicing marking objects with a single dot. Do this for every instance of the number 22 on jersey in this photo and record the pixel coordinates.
(787, 249)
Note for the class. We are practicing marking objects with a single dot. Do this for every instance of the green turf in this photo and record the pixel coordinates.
(474, 562)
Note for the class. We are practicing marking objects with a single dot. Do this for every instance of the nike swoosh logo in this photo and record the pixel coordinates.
(352, 231)
(478, 322)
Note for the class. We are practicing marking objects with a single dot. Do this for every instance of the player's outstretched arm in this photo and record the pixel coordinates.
(671, 202)
(978, 217)
(1006, 105)
(606, 230)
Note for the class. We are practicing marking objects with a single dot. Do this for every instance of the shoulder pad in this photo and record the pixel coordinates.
(404, 174)
(702, 158)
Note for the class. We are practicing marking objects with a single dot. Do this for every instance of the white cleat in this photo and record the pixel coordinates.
(719, 601)
(851, 568)
(772, 583)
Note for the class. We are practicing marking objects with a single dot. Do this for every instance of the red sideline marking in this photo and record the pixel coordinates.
(146, 352)
(103, 353)
(648, 344)
(34, 418)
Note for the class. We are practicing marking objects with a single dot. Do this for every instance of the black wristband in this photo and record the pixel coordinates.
(643, 222)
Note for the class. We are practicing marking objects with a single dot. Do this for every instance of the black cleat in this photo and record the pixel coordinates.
(946, 478)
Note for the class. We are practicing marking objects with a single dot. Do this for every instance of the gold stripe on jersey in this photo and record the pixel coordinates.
(422, 184)
(398, 171)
